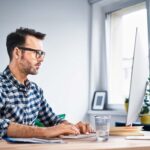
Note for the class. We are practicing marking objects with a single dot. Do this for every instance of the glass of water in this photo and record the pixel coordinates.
(102, 125)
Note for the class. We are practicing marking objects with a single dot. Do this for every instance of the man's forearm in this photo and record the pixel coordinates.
(25, 131)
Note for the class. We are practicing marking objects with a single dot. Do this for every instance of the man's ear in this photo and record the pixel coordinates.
(16, 53)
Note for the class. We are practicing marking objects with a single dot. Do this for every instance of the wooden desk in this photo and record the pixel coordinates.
(114, 143)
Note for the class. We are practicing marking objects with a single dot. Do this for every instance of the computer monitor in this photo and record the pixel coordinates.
(139, 76)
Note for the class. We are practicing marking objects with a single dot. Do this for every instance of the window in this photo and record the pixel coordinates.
(121, 29)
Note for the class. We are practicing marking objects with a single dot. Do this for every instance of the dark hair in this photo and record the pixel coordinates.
(18, 38)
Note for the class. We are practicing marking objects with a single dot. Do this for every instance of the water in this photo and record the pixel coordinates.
(102, 125)
(102, 135)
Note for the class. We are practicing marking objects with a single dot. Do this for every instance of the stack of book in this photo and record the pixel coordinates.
(126, 130)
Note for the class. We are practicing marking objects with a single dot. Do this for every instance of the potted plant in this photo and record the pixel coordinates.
(145, 110)
(126, 104)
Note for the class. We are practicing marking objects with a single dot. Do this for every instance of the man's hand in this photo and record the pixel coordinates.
(62, 129)
(84, 128)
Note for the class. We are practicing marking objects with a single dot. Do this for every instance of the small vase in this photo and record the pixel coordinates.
(126, 104)
(145, 119)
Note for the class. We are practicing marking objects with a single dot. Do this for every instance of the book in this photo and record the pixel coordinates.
(126, 130)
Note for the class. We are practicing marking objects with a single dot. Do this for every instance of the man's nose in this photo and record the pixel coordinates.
(41, 59)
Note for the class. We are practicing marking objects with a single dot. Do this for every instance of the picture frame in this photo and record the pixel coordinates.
(99, 100)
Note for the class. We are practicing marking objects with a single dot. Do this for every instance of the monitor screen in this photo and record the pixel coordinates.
(139, 76)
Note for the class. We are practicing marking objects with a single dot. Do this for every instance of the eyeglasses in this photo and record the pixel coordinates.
(38, 53)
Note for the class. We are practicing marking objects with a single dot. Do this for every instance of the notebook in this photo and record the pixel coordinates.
(32, 140)
(138, 137)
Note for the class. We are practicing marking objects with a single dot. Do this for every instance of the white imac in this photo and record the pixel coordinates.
(139, 76)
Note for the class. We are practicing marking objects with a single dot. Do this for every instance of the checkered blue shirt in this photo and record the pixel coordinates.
(22, 103)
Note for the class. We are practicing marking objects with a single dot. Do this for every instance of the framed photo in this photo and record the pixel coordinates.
(99, 100)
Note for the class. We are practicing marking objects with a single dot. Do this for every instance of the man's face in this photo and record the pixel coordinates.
(30, 61)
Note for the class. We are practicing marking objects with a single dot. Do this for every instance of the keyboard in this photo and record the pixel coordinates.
(79, 136)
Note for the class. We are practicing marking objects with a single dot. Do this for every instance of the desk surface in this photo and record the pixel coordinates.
(114, 143)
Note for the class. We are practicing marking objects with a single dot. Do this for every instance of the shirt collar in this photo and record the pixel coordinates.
(8, 74)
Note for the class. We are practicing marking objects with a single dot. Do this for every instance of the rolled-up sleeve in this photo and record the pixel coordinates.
(4, 123)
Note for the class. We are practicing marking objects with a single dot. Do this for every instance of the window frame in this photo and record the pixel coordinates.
(98, 38)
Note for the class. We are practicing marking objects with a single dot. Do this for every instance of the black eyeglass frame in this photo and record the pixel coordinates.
(39, 53)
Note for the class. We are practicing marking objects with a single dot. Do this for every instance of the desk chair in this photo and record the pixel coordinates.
(40, 124)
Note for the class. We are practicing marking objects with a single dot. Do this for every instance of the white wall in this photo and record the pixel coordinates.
(64, 75)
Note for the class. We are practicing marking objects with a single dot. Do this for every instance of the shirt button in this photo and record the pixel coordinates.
(26, 94)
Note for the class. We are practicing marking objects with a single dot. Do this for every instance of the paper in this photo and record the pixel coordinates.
(32, 140)
(138, 137)
(79, 136)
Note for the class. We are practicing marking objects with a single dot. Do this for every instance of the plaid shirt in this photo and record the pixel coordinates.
(22, 103)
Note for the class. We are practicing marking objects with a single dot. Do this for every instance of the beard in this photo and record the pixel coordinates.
(29, 70)
(29, 67)
(32, 71)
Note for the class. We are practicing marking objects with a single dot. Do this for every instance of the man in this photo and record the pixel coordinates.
(22, 101)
